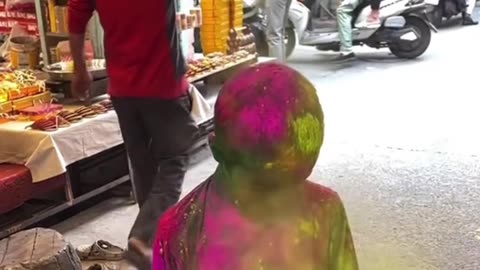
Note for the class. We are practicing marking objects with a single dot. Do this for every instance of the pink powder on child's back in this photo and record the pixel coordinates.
(228, 231)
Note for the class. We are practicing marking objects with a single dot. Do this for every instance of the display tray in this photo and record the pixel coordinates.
(219, 69)
(5, 107)
(57, 71)
(25, 102)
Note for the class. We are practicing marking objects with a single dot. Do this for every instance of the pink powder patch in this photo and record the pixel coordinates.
(228, 233)
(262, 122)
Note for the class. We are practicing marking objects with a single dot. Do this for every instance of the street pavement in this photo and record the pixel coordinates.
(402, 148)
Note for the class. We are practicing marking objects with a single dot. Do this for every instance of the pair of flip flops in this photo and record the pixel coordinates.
(100, 251)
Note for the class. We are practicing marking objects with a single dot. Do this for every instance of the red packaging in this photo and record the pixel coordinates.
(20, 5)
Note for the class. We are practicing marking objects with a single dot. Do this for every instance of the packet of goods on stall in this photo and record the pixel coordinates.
(20, 5)
(197, 14)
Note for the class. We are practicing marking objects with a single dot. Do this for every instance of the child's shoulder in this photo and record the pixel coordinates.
(322, 200)
(318, 193)
(176, 215)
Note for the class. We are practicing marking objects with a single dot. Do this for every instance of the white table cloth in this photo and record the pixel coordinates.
(47, 154)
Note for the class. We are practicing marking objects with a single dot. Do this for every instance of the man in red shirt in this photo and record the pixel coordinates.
(150, 94)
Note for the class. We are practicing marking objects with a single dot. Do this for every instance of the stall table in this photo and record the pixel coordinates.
(89, 153)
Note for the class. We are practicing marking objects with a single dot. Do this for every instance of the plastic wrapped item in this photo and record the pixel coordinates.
(197, 13)
(20, 5)
(219, 16)
(215, 25)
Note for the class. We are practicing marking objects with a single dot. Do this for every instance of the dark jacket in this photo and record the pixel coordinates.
(375, 4)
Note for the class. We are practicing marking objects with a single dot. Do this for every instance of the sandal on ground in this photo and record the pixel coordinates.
(101, 266)
(100, 250)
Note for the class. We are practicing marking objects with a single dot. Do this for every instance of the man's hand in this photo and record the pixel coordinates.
(81, 84)
(82, 79)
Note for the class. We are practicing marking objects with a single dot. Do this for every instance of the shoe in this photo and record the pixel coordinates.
(346, 56)
(100, 250)
(373, 21)
(139, 254)
(468, 20)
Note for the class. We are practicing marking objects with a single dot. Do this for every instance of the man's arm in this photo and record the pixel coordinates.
(79, 13)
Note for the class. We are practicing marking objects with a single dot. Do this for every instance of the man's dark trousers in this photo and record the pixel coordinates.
(157, 134)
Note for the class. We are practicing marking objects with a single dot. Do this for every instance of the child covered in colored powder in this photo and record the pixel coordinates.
(258, 211)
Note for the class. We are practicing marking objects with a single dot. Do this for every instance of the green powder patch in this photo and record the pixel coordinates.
(308, 134)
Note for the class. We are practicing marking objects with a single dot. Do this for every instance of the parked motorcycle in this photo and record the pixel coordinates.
(405, 29)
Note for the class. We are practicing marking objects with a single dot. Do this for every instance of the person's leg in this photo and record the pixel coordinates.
(466, 10)
(172, 130)
(467, 14)
(277, 15)
(467, 19)
(344, 21)
(471, 6)
(137, 140)
(142, 167)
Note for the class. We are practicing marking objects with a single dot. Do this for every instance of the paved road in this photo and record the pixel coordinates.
(403, 149)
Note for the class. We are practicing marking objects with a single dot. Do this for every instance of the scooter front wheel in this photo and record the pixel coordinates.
(415, 48)
(291, 40)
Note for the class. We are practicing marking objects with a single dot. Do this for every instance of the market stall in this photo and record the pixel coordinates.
(74, 149)
(50, 144)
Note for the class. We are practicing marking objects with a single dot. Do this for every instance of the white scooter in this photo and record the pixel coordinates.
(405, 29)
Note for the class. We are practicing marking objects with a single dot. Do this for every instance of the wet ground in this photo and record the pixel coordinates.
(402, 148)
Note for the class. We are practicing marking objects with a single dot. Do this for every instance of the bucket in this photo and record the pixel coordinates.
(24, 52)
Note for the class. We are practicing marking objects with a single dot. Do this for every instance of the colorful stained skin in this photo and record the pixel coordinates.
(258, 211)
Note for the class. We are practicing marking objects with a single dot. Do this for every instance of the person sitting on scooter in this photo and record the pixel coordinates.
(344, 21)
